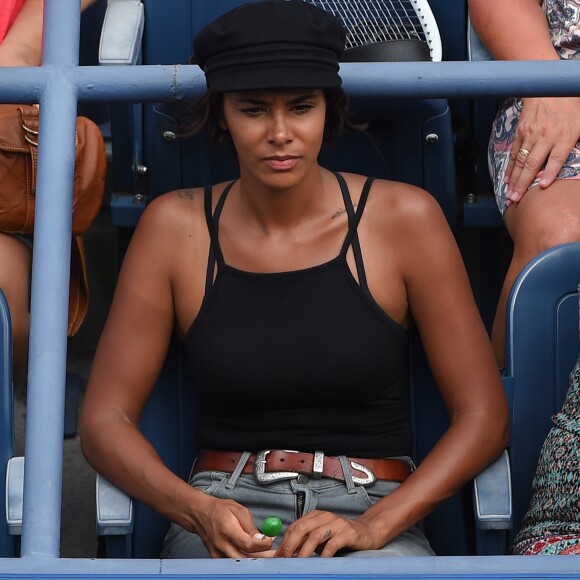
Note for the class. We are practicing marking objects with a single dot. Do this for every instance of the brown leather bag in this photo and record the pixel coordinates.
(18, 165)
(18, 168)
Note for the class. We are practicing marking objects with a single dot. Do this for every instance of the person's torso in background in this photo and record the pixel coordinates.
(564, 21)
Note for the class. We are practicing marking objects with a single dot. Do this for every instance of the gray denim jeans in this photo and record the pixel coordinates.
(288, 500)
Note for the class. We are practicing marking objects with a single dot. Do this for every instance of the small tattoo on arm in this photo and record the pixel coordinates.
(186, 193)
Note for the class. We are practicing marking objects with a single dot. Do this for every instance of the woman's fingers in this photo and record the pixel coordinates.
(229, 531)
(264, 554)
(321, 532)
(297, 535)
(529, 160)
(557, 159)
(541, 161)
(548, 129)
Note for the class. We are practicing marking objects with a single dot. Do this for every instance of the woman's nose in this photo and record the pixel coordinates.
(279, 130)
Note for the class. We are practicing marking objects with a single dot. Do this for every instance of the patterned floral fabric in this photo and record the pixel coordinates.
(563, 18)
(552, 522)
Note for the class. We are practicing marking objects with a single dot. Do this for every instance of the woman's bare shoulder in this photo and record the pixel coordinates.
(177, 200)
(403, 196)
(393, 200)
(176, 209)
(190, 199)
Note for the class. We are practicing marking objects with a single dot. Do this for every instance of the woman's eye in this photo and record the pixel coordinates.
(253, 111)
(303, 108)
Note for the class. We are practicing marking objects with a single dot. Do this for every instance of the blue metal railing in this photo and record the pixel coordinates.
(50, 282)
(58, 85)
(155, 83)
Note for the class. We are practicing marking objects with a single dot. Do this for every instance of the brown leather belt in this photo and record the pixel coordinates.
(274, 465)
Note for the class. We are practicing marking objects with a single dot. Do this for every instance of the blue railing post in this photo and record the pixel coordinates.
(50, 283)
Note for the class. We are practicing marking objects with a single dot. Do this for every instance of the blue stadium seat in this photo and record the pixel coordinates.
(481, 209)
(542, 348)
(451, 16)
(409, 140)
(8, 542)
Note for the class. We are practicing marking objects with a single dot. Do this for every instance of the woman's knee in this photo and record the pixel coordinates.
(15, 263)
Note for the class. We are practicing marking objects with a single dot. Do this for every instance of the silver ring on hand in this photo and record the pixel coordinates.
(524, 152)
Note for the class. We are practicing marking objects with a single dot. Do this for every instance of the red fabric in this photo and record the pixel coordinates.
(9, 10)
(564, 545)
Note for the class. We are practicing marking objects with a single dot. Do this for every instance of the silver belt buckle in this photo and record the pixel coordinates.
(264, 477)
(370, 476)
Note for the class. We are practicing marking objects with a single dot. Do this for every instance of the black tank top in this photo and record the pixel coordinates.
(303, 360)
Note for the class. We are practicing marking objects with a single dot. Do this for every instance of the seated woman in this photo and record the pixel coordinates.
(534, 149)
(21, 24)
(552, 522)
(294, 290)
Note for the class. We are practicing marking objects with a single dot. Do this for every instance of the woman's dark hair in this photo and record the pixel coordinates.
(206, 112)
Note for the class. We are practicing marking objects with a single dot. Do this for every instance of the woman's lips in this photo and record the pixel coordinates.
(281, 163)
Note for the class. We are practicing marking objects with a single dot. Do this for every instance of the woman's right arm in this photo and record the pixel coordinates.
(549, 127)
(129, 357)
(127, 361)
(514, 30)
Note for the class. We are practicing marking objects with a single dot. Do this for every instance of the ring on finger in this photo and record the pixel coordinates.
(524, 152)
(327, 534)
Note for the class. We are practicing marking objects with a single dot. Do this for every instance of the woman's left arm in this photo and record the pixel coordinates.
(22, 45)
(461, 359)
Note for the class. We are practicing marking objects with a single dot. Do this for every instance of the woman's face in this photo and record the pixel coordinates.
(277, 133)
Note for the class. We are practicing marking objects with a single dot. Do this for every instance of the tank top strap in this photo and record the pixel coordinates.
(354, 218)
(212, 220)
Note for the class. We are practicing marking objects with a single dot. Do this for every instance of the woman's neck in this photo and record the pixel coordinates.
(283, 209)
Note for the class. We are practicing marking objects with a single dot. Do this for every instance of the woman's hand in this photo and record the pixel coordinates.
(325, 533)
(227, 530)
(547, 131)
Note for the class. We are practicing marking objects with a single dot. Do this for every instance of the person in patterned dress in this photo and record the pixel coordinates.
(552, 522)
(534, 149)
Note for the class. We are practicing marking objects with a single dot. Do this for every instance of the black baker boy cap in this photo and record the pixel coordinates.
(271, 44)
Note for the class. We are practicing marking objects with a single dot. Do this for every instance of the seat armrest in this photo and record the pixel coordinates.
(492, 496)
(14, 495)
(114, 509)
(122, 32)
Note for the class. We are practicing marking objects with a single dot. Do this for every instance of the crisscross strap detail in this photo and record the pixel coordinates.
(351, 239)
(354, 218)
(215, 252)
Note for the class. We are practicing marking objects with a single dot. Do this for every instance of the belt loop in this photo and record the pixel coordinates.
(317, 465)
(407, 460)
(344, 462)
(191, 471)
(233, 479)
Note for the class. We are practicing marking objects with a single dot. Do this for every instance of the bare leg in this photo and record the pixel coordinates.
(15, 261)
(541, 220)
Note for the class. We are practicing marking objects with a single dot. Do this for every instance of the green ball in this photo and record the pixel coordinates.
(271, 526)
